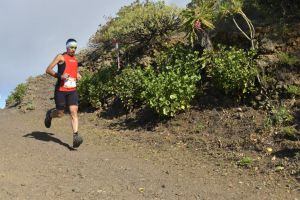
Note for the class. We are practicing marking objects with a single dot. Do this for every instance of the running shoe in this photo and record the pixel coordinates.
(77, 140)
(48, 119)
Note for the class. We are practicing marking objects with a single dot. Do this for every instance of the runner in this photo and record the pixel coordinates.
(65, 90)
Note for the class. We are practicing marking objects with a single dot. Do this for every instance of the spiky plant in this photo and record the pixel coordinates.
(203, 12)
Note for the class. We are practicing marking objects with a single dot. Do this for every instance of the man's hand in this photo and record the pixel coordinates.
(64, 76)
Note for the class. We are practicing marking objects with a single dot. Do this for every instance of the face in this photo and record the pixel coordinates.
(71, 50)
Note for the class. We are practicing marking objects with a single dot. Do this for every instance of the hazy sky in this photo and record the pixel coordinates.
(33, 32)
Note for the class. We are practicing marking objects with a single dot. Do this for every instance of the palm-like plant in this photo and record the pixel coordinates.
(232, 7)
(203, 12)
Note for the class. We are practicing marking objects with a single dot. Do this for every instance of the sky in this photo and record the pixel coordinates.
(33, 32)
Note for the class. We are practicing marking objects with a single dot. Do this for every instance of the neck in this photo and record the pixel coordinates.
(70, 54)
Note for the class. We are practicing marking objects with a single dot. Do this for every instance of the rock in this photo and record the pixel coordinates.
(297, 103)
(273, 158)
(262, 63)
(239, 115)
(75, 190)
(258, 97)
(269, 150)
(267, 45)
(279, 168)
(141, 190)
(258, 188)
(267, 60)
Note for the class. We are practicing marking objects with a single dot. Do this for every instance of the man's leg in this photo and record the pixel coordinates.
(60, 102)
(77, 139)
(73, 106)
(74, 117)
(57, 113)
(53, 113)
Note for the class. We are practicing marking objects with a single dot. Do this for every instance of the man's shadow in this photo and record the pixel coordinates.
(47, 137)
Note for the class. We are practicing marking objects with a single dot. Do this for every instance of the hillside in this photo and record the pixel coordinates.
(221, 135)
(205, 129)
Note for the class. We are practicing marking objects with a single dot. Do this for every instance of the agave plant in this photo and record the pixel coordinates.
(205, 12)
(202, 13)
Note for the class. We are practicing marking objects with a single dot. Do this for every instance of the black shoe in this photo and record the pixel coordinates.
(77, 140)
(48, 119)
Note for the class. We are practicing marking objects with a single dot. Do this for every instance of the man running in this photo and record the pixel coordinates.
(65, 90)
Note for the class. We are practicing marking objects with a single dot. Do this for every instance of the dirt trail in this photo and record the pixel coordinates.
(37, 163)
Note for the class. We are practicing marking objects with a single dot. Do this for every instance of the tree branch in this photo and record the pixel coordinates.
(236, 24)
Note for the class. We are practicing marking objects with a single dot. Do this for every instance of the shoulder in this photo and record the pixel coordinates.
(60, 57)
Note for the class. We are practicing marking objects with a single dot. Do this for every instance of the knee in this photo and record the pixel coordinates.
(74, 114)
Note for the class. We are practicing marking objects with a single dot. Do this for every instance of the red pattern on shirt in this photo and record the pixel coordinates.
(71, 69)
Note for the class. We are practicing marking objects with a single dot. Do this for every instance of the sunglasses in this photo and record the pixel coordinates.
(72, 47)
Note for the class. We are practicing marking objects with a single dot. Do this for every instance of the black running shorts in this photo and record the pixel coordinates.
(63, 99)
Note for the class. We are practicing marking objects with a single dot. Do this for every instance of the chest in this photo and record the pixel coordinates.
(68, 65)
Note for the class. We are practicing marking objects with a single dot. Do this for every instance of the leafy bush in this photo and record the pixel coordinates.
(83, 88)
(245, 161)
(293, 90)
(289, 131)
(233, 71)
(180, 58)
(281, 116)
(17, 95)
(138, 28)
(288, 59)
(173, 88)
(95, 89)
(128, 86)
(170, 92)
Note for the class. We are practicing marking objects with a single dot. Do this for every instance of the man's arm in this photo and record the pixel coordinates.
(56, 60)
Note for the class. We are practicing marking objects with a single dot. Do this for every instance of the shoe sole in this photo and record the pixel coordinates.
(47, 120)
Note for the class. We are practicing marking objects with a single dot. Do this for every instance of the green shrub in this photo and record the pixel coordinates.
(170, 92)
(288, 59)
(29, 106)
(17, 95)
(173, 88)
(83, 88)
(233, 71)
(128, 86)
(96, 88)
(293, 90)
(281, 116)
(179, 58)
(138, 27)
(168, 89)
(245, 161)
(289, 131)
